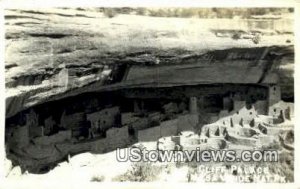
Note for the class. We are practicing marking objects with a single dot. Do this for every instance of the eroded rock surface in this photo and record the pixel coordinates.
(50, 52)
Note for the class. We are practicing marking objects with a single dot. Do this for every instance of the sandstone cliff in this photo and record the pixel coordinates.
(51, 52)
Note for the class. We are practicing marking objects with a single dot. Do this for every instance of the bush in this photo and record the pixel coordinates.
(256, 39)
(140, 172)
(141, 11)
(236, 36)
(97, 178)
(109, 12)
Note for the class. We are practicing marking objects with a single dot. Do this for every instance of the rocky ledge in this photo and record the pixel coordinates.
(52, 52)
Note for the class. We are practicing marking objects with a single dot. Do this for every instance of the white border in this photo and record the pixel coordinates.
(149, 3)
(2, 93)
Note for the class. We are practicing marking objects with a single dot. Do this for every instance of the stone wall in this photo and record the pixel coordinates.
(117, 133)
(223, 113)
(99, 146)
(155, 117)
(104, 119)
(189, 141)
(165, 129)
(263, 119)
(241, 131)
(238, 104)
(19, 137)
(49, 124)
(32, 118)
(267, 140)
(170, 108)
(36, 131)
(216, 143)
(209, 130)
(227, 103)
(287, 110)
(274, 94)
(261, 106)
(193, 107)
(150, 134)
(187, 122)
(44, 152)
(141, 123)
(244, 114)
(169, 128)
(73, 120)
(115, 138)
(77, 147)
(242, 140)
(61, 136)
(128, 118)
(166, 143)
(212, 117)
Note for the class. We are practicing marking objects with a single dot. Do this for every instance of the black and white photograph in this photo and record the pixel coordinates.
(150, 94)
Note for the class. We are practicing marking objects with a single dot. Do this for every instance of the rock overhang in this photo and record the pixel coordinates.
(47, 58)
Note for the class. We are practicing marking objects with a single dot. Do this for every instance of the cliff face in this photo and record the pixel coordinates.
(50, 52)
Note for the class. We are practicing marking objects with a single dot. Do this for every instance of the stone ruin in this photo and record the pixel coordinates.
(188, 121)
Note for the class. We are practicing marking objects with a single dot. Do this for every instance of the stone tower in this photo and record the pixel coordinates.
(274, 95)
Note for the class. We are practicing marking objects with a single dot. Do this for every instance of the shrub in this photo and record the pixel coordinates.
(97, 178)
(236, 36)
(109, 12)
(141, 11)
(256, 39)
(140, 172)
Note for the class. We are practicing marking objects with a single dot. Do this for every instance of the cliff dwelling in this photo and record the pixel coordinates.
(214, 87)
(147, 103)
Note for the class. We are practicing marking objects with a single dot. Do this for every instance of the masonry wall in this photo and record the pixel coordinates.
(227, 103)
(169, 128)
(73, 120)
(187, 122)
(165, 129)
(261, 106)
(115, 138)
(128, 118)
(274, 94)
(59, 137)
(242, 141)
(49, 124)
(141, 123)
(43, 153)
(105, 118)
(216, 143)
(20, 137)
(241, 131)
(150, 134)
(36, 131)
(286, 108)
(238, 104)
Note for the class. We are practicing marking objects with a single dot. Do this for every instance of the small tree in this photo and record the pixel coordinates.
(141, 11)
(98, 178)
(256, 39)
(109, 12)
